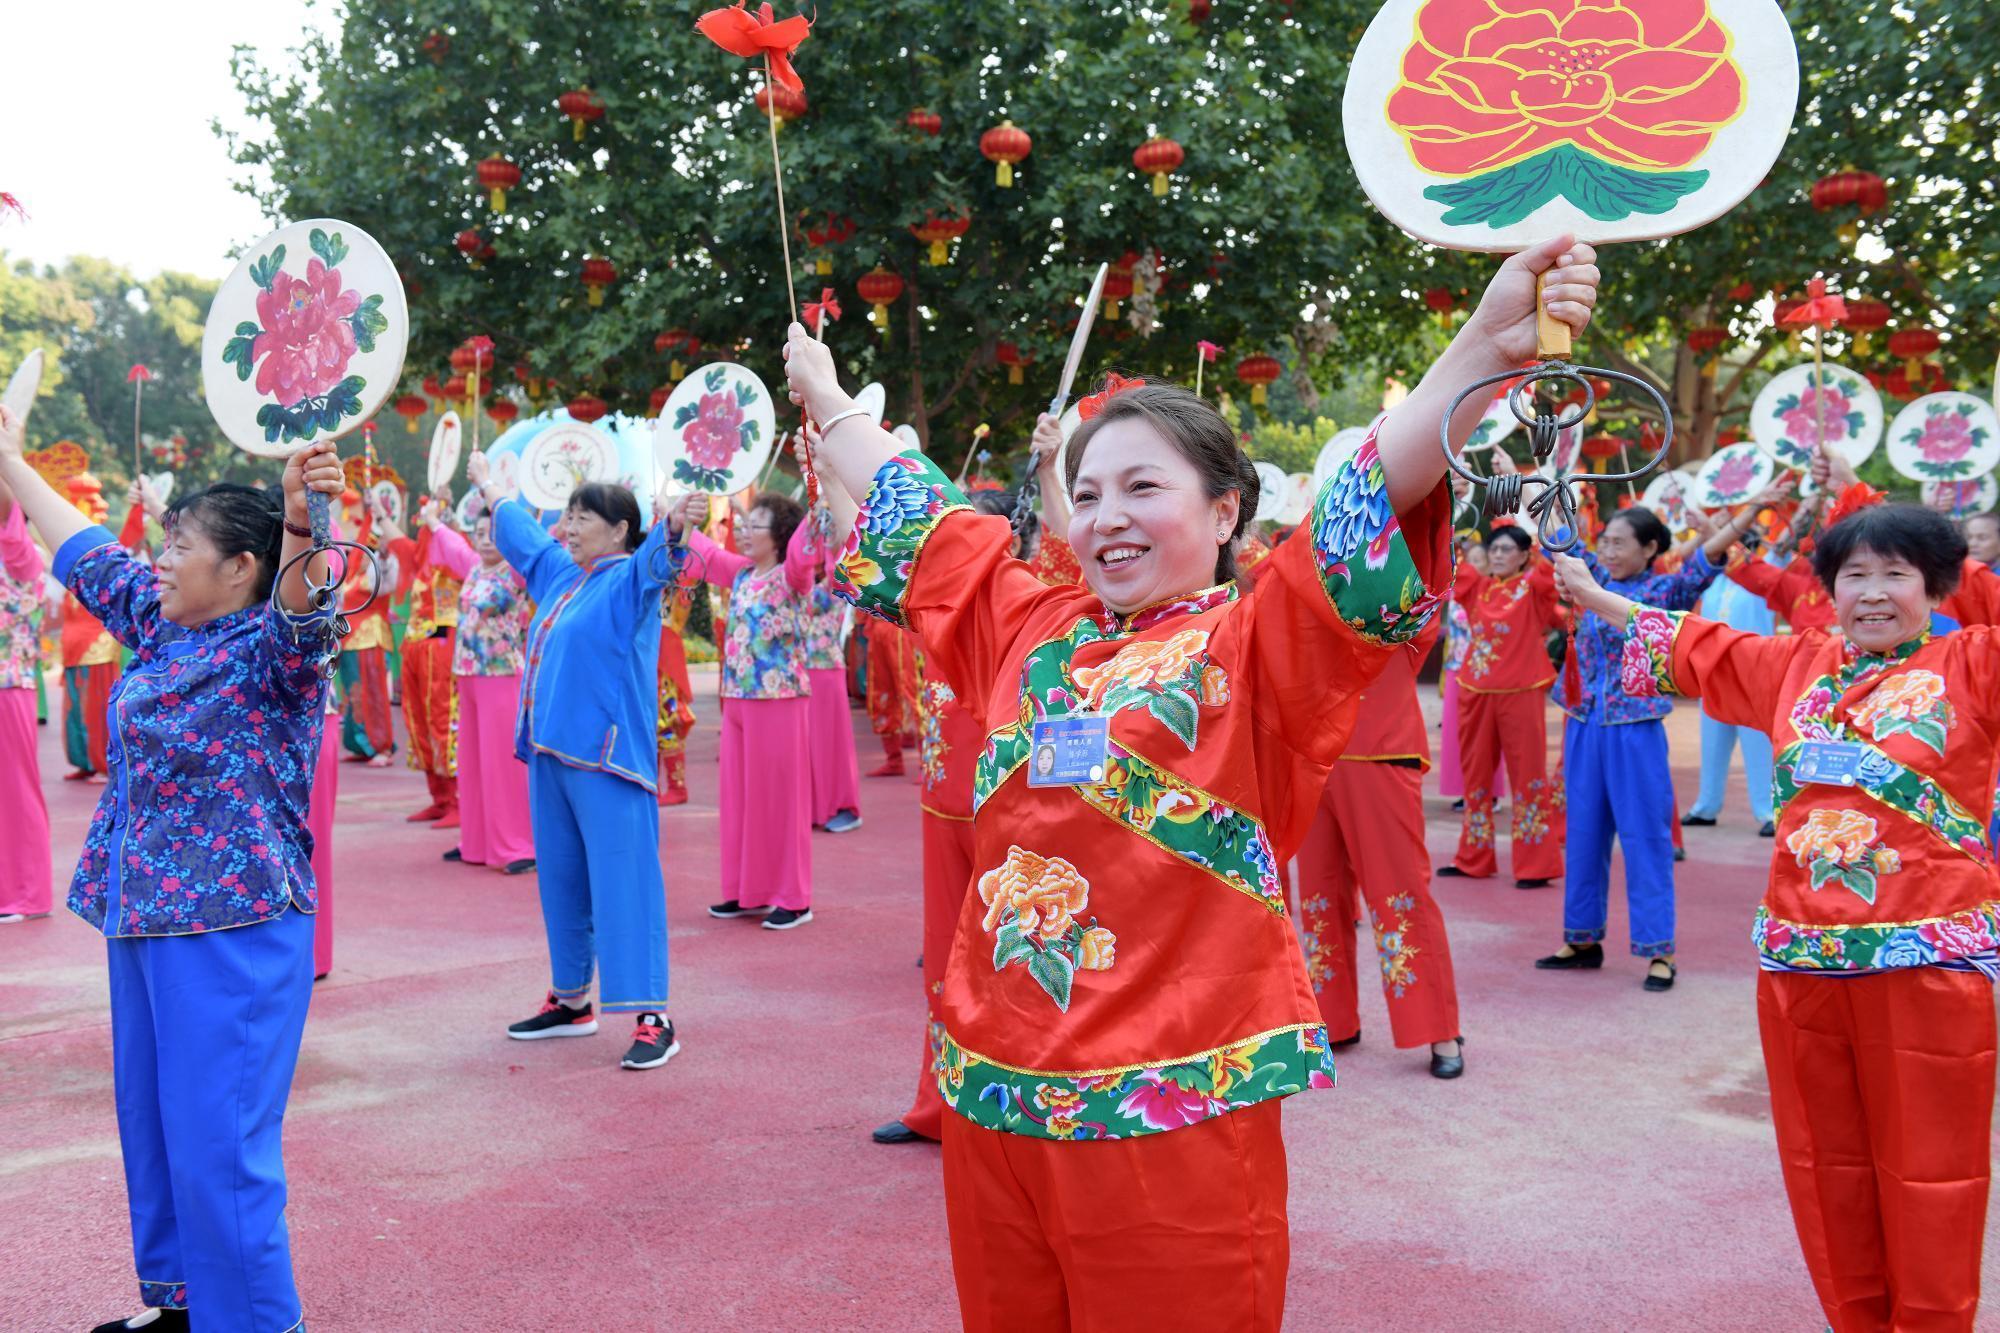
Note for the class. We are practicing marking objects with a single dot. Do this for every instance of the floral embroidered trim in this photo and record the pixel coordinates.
(1138, 1099)
(1181, 818)
(903, 507)
(1799, 946)
(1647, 669)
(1903, 790)
(167, 1295)
(1032, 905)
(1364, 564)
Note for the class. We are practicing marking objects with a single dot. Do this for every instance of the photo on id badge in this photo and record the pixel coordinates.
(1068, 750)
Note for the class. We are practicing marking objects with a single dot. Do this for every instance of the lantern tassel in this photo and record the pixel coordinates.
(496, 198)
(1005, 175)
(940, 254)
(1160, 184)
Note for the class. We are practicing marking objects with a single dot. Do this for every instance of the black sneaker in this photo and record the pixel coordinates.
(154, 1319)
(784, 918)
(732, 908)
(1767, 830)
(520, 867)
(453, 855)
(556, 1020)
(653, 1043)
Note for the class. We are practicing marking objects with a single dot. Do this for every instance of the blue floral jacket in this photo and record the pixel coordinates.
(1600, 647)
(214, 736)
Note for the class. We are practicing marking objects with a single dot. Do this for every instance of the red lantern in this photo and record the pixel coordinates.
(787, 104)
(1705, 340)
(879, 288)
(1009, 355)
(581, 106)
(1599, 450)
(503, 411)
(940, 233)
(1259, 372)
(1741, 292)
(1862, 191)
(1439, 301)
(463, 359)
(834, 231)
(666, 343)
(1198, 11)
(475, 247)
(437, 46)
(453, 388)
(498, 175)
(597, 275)
(588, 407)
(657, 402)
(1005, 145)
(1911, 346)
(433, 388)
(925, 122)
(1158, 158)
(409, 407)
(1117, 287)
(1864, 319)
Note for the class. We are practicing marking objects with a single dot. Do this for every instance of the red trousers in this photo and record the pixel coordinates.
(947, 876)
(1181, 1230)
(1882, 1096)
(892, 684)
(1511, 726)
(1368, 839)
(429, 705)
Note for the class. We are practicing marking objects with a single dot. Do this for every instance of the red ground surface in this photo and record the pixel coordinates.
(1607, 1161)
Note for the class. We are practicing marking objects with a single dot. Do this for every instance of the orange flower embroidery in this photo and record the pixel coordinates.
(1840, 836)
(1912, 704)
(1043, 892)
(1097, 950)
(1142, 665)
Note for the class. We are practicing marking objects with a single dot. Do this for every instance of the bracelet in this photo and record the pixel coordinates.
(295, 529)
(826, 427)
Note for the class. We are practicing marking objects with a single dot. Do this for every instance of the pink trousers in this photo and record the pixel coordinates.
(25, 856)
(766, 803)
(319, 819)
(492, 784)
(836, 770)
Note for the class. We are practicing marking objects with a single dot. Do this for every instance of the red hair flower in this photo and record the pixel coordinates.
(742, 33)
(1114, 384)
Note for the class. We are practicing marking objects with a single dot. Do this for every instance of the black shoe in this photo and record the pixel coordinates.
(897, 1132)
(525, 865)
(1449, 1066)
(1458, 806)
(732, 908)
(1658, 982)
(1354, 1040)
(453, 855)
(1697, 821)
(1680, 855)
(1589, 956)
(1769, 830)
(1449, 871)
(1531, 883)
(653, 1043)
(785, 918)
(556, 1020)
(159, 1319)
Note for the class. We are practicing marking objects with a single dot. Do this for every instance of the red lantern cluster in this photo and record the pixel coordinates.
(1862, 191)
(880, 289)
(474, 246)
(925, 122)
(497, 176)
(588, 407)
(597, 274)
(1005, 145)
(1259, 372)
(582, 106)
(1158, 158)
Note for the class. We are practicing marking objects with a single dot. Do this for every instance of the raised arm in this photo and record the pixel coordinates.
(19, 555)
(53, 516)
(313, 468)
(450, 551)
(1044, 448)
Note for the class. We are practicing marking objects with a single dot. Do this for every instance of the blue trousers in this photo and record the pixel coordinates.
(1619, 784)
(597, 853)
(205, 1036)
(1718, 744)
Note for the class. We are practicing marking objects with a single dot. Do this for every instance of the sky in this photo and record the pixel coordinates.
(107, 144)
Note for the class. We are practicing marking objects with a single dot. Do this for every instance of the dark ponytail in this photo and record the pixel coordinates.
(237, 520)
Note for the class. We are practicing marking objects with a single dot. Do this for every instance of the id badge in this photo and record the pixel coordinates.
(1065, 751)
(1832, 763)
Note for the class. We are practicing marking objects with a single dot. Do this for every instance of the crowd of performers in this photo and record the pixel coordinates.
(1134, 721)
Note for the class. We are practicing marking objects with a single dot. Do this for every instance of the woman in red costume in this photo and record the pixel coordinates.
(1878, 929)
(1126, 1004)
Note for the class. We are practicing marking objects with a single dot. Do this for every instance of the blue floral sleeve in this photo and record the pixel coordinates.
(904, 505)
(294, 654)
(1366, 567)
(112, 585)
(1682, 589)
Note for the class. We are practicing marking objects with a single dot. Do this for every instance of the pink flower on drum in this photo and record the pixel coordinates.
(1947, 438)
(1160, 1103)
(306, 340)
(1959, 936)
(714, 436)
(1803, 421)
(1736, 475)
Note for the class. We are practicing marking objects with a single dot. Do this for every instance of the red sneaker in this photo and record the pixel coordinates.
(888, 768)
(450, 817)
(425, 815)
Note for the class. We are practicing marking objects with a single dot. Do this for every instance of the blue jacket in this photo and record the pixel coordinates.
(1600, 647)
(590, 686)
(214, 738)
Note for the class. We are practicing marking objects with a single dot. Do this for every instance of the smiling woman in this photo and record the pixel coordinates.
(1156, 744)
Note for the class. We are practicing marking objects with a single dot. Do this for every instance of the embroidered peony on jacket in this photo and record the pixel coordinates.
(1894, 871)
(1126, 965)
